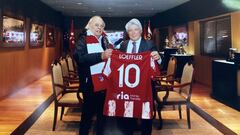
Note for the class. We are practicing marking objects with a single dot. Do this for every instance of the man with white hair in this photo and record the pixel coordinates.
(137, 44)
(90, 51)
(134, 30)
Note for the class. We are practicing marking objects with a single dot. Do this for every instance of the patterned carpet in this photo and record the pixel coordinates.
(172, 125)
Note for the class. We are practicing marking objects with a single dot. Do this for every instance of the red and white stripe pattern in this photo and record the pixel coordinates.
(94, 46)
(129, 108)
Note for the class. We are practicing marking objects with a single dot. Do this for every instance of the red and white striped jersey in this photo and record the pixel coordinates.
(129, 89)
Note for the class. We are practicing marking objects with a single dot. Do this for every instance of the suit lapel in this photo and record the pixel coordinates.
(143, 46)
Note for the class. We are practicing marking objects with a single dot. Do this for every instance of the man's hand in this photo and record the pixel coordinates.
(155, 55)
(106, 54)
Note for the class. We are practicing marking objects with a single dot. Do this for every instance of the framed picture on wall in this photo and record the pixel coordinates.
(180, 34)
(36, 35)
(50, 36)
(1, 23)
(13, 32)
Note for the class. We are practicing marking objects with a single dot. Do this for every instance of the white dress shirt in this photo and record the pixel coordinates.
(130, 45)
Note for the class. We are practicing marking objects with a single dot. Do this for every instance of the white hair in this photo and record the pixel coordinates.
(133, 21)
(93, 19)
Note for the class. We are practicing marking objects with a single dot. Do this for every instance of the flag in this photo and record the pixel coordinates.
(149, 32)
(145, 31)
(71, 36)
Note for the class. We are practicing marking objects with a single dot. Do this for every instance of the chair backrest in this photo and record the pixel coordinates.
(70, 63)
(64, 66)
(187, 77)
(172, 64)
(57, 78)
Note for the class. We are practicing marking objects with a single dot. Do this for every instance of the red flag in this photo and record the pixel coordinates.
(149, 32)
(145, 31)
(71, 36)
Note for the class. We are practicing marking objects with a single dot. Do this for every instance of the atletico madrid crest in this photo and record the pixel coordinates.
(100, 77)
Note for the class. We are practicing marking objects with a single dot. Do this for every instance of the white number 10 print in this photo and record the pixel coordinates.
(125, 72)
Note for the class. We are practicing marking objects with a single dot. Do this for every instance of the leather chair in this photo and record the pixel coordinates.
(72, 66)
(170, 73)
(172, 92)
(69, 78)
(64, 95)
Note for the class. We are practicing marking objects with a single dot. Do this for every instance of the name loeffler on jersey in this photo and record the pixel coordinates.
(130, 57)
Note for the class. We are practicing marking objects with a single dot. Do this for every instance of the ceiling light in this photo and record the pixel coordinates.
(224, 36)
(79, 3)
(93, 11)
(232, 4)
(209, 37)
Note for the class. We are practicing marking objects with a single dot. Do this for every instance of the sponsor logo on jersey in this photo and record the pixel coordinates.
(122, 96)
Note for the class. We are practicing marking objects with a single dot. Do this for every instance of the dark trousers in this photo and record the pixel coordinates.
(93, 104)
(129, 125)
(146, 126)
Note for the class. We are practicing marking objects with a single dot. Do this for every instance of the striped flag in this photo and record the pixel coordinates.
(71, 36)
(149, 32)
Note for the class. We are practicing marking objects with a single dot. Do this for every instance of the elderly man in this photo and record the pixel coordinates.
(137, 44)
(90, 51)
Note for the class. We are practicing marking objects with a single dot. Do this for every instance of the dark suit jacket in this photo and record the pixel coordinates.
(144, 46)
(85, 60)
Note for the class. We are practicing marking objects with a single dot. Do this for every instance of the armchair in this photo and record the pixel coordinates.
(64, 95)
(69, 78)
(176, 93)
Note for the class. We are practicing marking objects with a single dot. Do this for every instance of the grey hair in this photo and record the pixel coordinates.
(91, 20)
(133, 21)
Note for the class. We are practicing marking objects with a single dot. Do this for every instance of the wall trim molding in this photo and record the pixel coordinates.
(27, 123)
(211, 120)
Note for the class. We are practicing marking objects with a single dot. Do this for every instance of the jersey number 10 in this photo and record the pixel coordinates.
(125, 72)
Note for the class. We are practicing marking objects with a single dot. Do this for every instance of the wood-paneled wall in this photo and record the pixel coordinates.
(203, 70)
(235, 24)
(21, 66)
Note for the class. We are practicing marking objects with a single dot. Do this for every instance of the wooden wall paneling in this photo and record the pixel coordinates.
(191, 37)
(235, 30)
(203, 69)
(20, 67)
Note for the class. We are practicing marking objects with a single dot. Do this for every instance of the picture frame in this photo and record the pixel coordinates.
(36, 35)
(13, 32)
(50, 36)
(1, 24)
(180, 33)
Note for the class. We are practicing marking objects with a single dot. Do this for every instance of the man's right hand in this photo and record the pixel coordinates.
(106, 54)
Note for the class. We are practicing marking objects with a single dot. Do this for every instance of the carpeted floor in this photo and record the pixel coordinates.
(172, 125)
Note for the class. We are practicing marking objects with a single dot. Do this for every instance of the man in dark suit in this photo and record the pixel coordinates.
(137, 44)
(85, 58)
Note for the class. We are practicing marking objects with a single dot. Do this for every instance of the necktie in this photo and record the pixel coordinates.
(134, 49)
